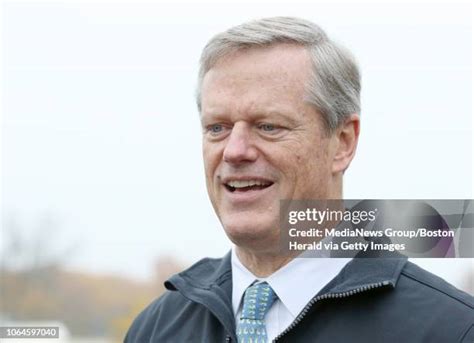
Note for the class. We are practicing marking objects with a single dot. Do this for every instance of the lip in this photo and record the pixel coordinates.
(249, 196)
(244, 178)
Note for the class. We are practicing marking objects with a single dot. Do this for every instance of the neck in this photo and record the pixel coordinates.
(261, 264)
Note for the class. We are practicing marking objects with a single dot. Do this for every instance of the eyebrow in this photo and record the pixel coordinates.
(257, 115)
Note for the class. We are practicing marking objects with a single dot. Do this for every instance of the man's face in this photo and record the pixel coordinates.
(261, 141)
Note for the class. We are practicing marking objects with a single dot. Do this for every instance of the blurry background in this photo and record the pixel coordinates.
(103, 193)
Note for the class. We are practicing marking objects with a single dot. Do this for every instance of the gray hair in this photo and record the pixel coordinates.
(334, 86)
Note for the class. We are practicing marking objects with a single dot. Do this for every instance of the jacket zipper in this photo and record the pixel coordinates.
(329, 296)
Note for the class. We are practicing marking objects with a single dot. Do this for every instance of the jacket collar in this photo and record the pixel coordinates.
(209, 281)
(363, 270)
(204, 274)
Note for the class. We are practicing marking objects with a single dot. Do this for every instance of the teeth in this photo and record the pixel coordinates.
(246, 183)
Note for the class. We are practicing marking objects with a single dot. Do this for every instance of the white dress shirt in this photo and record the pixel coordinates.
(295, 284)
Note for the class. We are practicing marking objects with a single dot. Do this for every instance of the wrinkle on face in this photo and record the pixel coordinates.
(241, 91)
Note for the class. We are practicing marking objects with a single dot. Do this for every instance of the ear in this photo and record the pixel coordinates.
(346, 139)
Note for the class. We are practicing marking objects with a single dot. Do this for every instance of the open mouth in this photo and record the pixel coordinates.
(248, 185)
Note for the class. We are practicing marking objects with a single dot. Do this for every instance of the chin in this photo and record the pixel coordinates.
(253, 234)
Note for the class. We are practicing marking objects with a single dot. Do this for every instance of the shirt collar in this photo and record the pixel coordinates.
(242, 278)
(307, 275)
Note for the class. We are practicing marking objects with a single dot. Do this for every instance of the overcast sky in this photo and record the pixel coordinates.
(101, 133)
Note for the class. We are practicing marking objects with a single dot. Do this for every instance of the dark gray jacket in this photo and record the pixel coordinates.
(370, 300)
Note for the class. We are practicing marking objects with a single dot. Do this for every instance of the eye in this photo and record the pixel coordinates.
(267, 127)
(215, 128)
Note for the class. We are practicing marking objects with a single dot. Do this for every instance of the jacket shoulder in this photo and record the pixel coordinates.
(447, 312)
(437, 287)
(154, 315)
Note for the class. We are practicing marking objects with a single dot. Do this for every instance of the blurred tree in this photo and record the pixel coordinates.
(165, 266)
(34, 285)
(29, 268)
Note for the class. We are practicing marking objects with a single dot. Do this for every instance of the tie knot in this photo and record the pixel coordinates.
(257, 301)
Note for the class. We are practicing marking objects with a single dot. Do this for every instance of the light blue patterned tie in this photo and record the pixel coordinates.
(257, 302)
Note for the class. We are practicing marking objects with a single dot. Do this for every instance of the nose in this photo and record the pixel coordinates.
(239, 148)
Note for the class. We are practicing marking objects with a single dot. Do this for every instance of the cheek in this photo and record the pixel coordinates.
(311, 167)
(211, 158)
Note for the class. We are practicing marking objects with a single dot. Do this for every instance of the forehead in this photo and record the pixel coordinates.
(254, 77)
